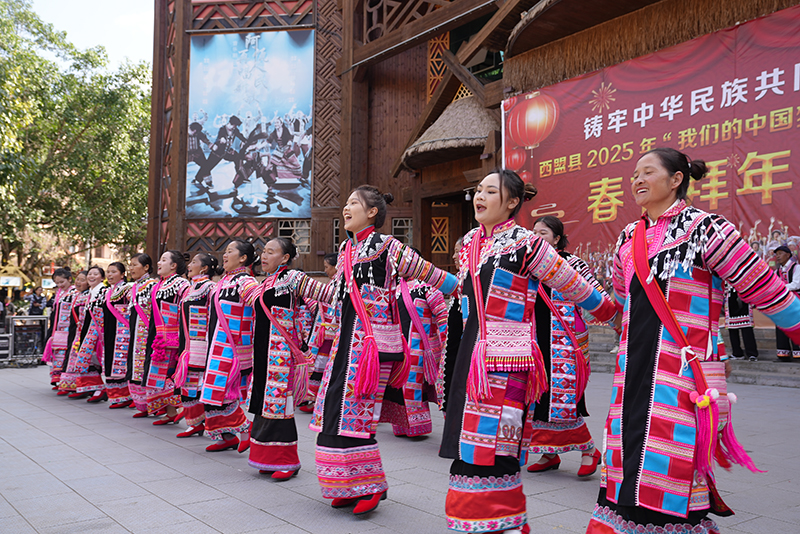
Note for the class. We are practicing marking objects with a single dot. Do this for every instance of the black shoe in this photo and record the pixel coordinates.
(737, 357)
(753, 358)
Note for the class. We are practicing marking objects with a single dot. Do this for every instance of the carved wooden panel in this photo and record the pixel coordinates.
(327, 106)
(440, 235)
(250, 15)
(383, 16)
(436, 65)
(163, 152)
(213, 236)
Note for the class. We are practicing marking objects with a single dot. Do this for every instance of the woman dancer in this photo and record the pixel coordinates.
(321, 339)
(88, 363)
(563, 338)
(366, 348)
(499, 371)
(423, 316)
(163, 338)
(141, 267)
(56, 348)
(230, 351)
(661, 426)
(194, 332)
(116, 336)
(279, 362)
(67, 379)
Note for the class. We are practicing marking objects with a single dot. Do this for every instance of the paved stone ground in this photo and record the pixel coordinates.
(68, 466)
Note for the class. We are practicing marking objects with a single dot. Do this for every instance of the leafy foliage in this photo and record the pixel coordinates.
(73, 139)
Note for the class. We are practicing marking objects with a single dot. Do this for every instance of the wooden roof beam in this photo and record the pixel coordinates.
(409, 35)
(464, 76)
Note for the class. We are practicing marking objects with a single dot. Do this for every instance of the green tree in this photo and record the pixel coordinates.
(73, 142)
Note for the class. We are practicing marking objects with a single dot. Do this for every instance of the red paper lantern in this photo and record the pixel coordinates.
(509, 103)
(526, 176)
(532, 120)
(515, 159)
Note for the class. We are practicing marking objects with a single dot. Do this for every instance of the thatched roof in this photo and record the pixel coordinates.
(460, 131)
(550, 20)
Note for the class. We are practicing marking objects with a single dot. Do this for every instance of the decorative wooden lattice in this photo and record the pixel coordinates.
(384, 16)
(250, 15)
(327, 106)
(214, 236)
(463, 92)
(440, 235)
(436, 65)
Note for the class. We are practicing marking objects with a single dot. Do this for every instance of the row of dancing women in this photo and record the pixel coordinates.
(507, 362)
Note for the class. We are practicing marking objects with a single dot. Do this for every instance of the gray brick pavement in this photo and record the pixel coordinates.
(68, 466)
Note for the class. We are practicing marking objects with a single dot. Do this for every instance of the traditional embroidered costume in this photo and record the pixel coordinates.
(163, 343)
(68, 377)
(558, 425)
(116, 340)
(279, 365)
(88, 362)
(499, 372)
(650, 480)
(230, 355)
(55, 350)
(320, 343)
(739, 323)
(790, 274)
(194, 340)
(348, 406)
(140, 309)
(425, 332)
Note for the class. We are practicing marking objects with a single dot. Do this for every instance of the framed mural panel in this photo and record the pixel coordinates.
(250, 121)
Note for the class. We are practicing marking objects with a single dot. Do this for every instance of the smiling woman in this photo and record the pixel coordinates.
(498, 368)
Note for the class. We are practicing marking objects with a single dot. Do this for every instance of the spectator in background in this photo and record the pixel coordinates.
(789, 271)
(739, 320)
(38, 301)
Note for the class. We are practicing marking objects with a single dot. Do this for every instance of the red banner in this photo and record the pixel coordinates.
(730, 98)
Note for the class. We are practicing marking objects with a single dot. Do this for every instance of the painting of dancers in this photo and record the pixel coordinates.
(249, 144)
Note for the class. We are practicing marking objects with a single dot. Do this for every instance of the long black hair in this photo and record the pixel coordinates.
(675, 162)
(511, 182)
(371, 197)
(557, 227)
(177, 258)
(245, 249)
(144, 260)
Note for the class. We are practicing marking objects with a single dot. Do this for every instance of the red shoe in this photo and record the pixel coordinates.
(98, 398)
(55, 388)
(76, 395)
(139, 415)
(306, 408)
(369, 503)
(280, 476)
(589, 469)
(63, 392)
(121, 405)
(192, 430)
(264, 472)
(159, 413)
(539, 467)
(243, 445)
(167, 419)
(223, 445)
(344, 502)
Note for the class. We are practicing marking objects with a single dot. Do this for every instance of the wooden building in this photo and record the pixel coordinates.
(407, 98)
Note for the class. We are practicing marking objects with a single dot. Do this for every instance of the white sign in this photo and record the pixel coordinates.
(10, 281)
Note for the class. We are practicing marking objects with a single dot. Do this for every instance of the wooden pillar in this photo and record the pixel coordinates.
(156, 129)
(180, 122)
(355, 100)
